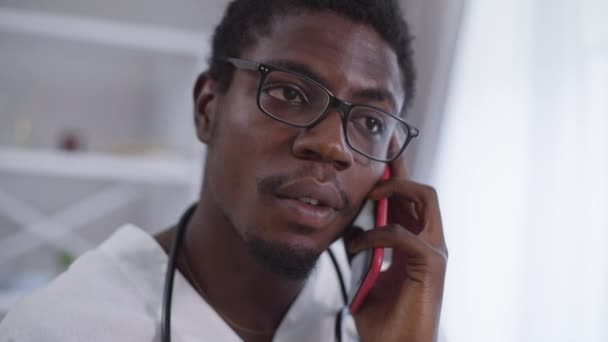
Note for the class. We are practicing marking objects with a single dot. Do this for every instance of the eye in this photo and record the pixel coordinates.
(374, 125)
(287, 94)
(370, 125)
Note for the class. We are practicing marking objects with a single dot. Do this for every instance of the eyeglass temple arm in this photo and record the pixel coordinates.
(243, 64)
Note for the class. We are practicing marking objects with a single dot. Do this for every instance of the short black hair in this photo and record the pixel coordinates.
(245, 20)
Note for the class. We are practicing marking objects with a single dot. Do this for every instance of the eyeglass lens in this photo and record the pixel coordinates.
(297, 101)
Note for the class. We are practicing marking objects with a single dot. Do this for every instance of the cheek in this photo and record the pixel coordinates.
(250, 131)
(361, 179)
(247, 144)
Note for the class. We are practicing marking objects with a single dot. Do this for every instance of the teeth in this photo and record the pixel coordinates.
(311, 201)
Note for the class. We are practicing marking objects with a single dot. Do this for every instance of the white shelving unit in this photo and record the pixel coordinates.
(60, 229)
(104, 31)
(117, 77)
(155, 170)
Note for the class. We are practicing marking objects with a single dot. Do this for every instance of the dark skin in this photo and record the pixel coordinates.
(244, 146)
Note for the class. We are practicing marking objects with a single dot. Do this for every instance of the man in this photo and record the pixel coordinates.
(301, 111)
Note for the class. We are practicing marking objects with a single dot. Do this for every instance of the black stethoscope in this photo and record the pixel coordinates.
(165, 326)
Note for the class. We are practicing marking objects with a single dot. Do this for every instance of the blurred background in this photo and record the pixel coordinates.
(96, 130)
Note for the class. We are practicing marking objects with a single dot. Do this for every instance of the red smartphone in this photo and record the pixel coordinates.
(366, 265)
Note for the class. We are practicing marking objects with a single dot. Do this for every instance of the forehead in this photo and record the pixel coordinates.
(350, 56)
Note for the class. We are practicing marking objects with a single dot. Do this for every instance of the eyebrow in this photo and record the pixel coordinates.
(373, 94)
(378, 94)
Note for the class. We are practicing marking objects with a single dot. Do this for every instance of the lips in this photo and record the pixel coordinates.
(308, 203)
(312, 192)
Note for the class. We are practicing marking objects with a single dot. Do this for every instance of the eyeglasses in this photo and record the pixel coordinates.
(300, 101)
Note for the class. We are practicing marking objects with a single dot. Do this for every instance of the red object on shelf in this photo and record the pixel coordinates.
(70, 141)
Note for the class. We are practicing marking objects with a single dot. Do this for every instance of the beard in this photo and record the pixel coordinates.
(289, 262)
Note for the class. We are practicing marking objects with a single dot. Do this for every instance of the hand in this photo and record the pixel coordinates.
(405, 303)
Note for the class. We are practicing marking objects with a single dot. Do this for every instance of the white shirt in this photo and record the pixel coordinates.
(114, 293)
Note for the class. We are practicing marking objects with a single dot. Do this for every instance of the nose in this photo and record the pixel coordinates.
(325, 142)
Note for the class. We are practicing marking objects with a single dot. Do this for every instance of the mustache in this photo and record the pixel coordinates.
(270, 184)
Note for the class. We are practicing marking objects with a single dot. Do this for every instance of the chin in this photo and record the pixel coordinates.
(292, 260)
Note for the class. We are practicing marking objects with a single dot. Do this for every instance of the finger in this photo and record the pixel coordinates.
(406, 213)
(391, 236)
(351, 232)
(404, 188)
(413, 257)
(425, 200)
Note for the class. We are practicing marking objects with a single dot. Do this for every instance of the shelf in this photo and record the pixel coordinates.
(104, 31)
(104, 167)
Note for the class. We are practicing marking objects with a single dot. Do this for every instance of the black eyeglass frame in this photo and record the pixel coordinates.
(344, 107)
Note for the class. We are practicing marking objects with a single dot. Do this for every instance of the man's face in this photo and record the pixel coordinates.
(259, 169)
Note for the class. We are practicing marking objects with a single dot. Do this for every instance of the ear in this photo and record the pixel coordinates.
(205, 107)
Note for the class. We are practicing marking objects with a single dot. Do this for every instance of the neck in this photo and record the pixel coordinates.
(232, 281)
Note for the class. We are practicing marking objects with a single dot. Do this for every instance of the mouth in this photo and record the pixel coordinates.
(307, 202)
(305, 211)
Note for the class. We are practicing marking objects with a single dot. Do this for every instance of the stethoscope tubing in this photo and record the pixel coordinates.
(165, 327)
